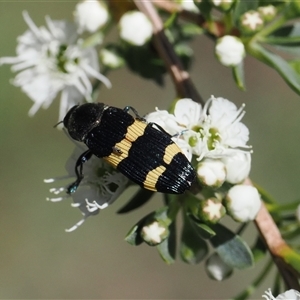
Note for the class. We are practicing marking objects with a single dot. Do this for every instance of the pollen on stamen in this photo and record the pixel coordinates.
(56, 191)
(75, 226)
(56, 199)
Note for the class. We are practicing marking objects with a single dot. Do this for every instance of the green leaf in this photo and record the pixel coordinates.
(291, 77)
(167, 249)
(190, 30)
(140, 198)
(231, 248)
(193, 248)
(145, 61)
(205, 7)
(202, 229)
(295, 64)
(287, 37)
(185, 54)
(238, 75)
(133, 237)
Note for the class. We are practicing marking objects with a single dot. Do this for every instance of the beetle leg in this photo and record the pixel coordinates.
(137, 116)
(161, 129)
(84, 157)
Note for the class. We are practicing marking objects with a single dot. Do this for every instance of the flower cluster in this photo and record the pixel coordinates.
(53, 60)
(215, 138)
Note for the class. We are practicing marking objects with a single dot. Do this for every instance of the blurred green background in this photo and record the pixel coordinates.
(39, 260)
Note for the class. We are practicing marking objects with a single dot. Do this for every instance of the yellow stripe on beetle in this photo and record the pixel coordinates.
(152, 178)
(170, 151)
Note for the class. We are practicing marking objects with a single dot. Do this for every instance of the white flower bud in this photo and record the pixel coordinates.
(230, 50)
(189, 5)
(298, 213)
(154, 233)
(237, 167)
(268, 12)
(90, 15)
(211, 172)
(135, 28)
(111, 59)
(211, 210)
(224, 5)
(251, 22)
(216, 268)
(243, 202)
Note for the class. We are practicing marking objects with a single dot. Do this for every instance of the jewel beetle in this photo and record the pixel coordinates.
(144, 152)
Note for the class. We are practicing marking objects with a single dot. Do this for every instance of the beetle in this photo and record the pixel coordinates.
(144, 152)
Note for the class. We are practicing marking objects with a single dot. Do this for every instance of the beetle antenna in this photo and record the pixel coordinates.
(57, 124)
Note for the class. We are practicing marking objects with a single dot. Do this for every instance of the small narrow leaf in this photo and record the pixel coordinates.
(133, 237)
(291, 77)
(140, 198)
(238, 75)
(167, 249)
(193, 248)
(145, 61)
(202, 229)
(231, 248)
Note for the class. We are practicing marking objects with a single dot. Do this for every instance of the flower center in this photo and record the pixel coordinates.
(65, 57)
(206, 134)
(213, 139)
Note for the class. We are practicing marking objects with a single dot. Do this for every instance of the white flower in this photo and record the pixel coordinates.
(230, 50)
(51, 60)
(135, 28)
(154, 233)
(243, 202)
(164, 119)
(211, 172)
(101, 186)
(287, 295)
(237, 167)
(90, 15)
(214, 131)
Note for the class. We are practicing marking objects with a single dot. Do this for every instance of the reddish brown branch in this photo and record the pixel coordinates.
(182, 81)
(185, 88)
(275, 243)
(173, 7)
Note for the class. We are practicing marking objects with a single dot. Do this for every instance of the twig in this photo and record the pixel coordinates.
(275, 243)
(185, 88)
(173, 7)
(181, 78)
